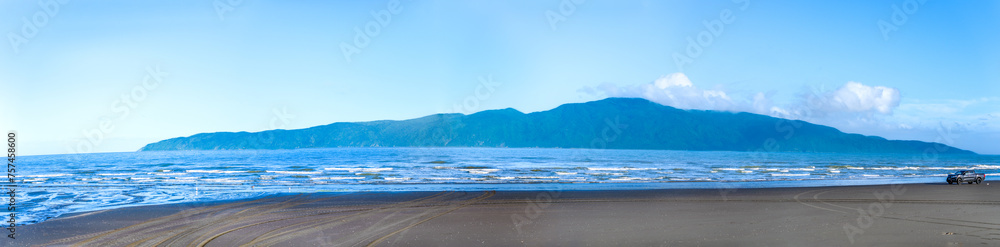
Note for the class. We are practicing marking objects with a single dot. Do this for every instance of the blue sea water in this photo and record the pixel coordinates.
(53, 185)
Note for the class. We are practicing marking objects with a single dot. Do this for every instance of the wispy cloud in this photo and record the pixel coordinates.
(853, 107)
(674, 90)
(853, 99)
(977, 114)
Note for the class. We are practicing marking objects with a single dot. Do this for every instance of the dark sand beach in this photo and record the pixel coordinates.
(897, 215)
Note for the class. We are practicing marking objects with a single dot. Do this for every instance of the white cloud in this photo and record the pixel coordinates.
(853, 97)
(853, 105)
(677, 90)
(673, 80)
(674, 90)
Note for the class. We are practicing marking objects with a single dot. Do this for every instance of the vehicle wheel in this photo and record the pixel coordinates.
(958, 181)
(978, 181)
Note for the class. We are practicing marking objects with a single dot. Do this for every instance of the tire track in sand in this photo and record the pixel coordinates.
(396, 218)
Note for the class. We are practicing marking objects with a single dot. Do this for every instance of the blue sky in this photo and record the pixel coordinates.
(187, 67)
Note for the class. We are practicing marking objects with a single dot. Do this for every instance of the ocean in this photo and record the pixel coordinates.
(54, 185)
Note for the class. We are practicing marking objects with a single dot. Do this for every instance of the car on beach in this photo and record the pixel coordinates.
(966, 176)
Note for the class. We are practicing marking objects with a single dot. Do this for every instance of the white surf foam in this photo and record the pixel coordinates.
(47, 175)
(337, 178)
(358, 169)
(618, 169)
(212, 171)
(295, 172)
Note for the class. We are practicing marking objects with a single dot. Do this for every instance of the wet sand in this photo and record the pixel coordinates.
(898, 215)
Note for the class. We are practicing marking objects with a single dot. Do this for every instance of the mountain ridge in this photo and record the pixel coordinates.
(614, 123)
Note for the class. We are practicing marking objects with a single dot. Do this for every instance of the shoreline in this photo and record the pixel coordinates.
(906, 214)
(423, 187)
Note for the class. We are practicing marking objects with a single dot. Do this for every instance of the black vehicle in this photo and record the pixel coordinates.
(966, 176)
